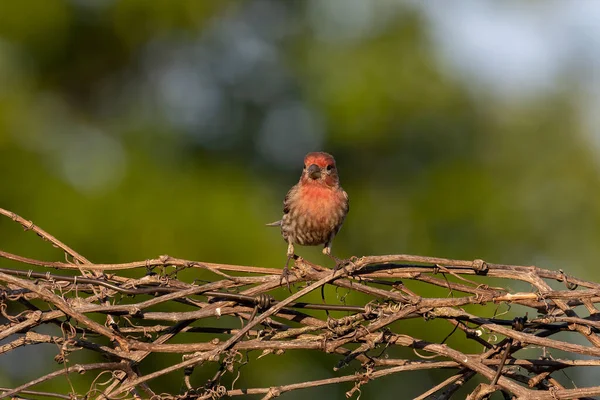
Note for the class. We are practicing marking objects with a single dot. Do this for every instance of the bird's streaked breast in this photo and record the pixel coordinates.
(314, 214)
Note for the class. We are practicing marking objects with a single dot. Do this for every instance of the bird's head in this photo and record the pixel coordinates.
(319, 168)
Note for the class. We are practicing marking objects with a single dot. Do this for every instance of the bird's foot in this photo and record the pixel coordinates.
(285, 274)
(342, 263)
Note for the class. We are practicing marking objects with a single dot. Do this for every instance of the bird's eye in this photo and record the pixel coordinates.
(305, 167)
(330, 167)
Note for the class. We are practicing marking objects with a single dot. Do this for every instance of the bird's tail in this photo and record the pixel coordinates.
(276, 223)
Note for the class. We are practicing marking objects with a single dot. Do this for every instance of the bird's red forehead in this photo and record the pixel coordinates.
(320, 158)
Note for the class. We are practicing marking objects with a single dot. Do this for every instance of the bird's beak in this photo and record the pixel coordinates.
(314, 172)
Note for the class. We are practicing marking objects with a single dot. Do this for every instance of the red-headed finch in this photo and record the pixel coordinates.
(315, 208)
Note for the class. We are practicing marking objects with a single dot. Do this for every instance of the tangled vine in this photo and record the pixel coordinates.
(71, 294)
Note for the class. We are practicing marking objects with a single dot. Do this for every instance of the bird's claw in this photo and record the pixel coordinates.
(285, 274)
(342, 263)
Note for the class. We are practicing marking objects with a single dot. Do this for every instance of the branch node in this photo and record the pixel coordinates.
(480, 267)
(518, 323)
(272, 393)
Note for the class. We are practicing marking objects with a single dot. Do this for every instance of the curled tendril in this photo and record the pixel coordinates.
(564, 279)
(263, 301)
(393, 307)
(216, 392)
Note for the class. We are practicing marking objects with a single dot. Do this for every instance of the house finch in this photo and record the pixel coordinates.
(315, 208)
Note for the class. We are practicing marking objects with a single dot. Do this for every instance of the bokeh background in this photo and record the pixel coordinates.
(462, 129)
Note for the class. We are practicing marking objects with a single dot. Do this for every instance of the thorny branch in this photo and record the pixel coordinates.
(144, 314)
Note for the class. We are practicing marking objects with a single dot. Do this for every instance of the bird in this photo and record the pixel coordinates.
(314, 209)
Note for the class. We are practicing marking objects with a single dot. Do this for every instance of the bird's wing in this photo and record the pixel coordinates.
(347, 200)
(286, 205)
(288, 199)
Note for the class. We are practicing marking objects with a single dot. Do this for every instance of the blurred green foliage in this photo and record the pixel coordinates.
(130, 129)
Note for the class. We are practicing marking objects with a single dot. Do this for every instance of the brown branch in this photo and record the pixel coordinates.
(42, 394)
(29, 225)
(79, 368)
(50, 297)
